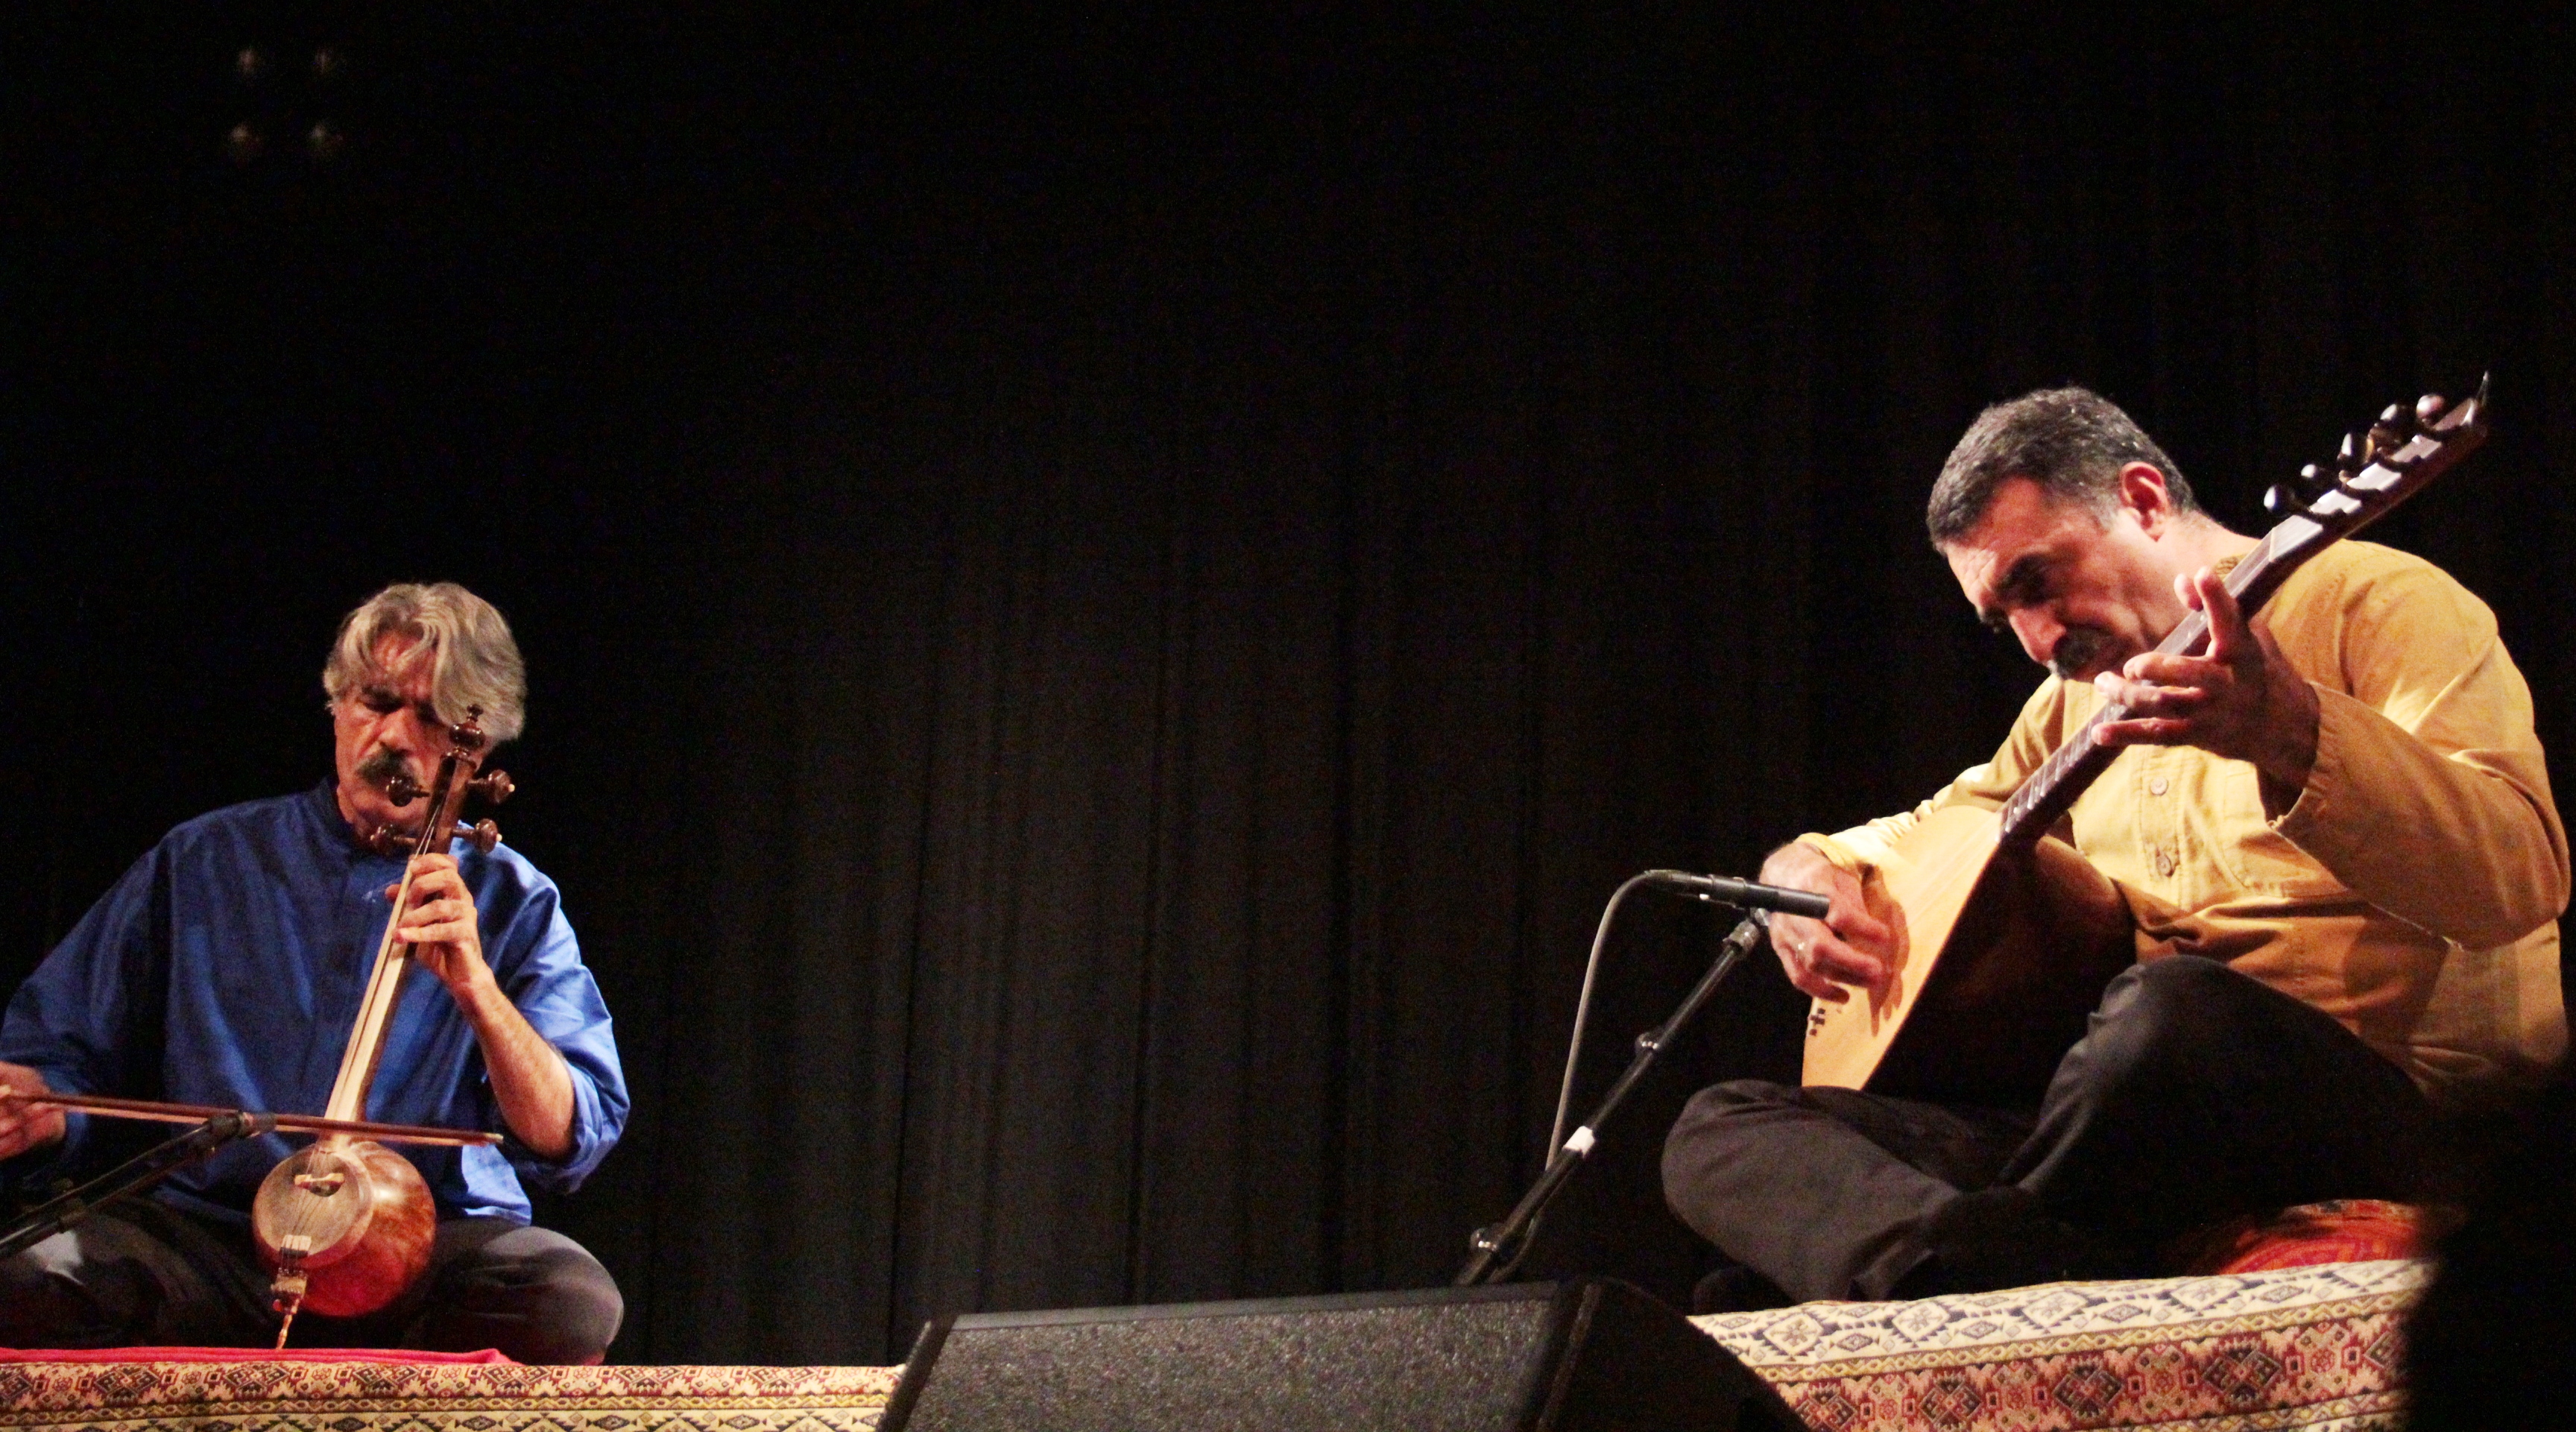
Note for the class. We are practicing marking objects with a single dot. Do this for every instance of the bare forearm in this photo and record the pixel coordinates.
(1850, 946)
(528, 1076)
(529, 1079)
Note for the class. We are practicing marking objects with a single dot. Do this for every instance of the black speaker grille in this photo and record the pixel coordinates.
(1454, 1367)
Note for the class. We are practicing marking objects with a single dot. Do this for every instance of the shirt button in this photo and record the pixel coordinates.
(2156, 787)
(2164, 862)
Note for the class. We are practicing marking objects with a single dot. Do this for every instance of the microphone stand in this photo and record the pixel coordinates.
(132, 1176)
(1501, 1246)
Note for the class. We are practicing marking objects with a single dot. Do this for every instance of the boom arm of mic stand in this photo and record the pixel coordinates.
(1500, 1247)
(135, 1174)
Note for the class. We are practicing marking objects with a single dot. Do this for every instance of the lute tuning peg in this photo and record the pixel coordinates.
(2314, 481)
(2396, 424)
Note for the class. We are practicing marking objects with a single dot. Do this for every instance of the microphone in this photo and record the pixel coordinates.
(1741, 892)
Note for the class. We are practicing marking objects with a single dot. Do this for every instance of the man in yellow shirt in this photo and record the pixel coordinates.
(2334, 831)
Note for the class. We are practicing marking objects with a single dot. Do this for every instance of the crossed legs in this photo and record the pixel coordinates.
(2196, 1094)
(146, 1275)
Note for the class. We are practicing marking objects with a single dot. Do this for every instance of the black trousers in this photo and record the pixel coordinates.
(144, 1274)
(2196, 1095)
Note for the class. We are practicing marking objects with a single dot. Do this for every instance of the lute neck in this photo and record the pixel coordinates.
(2072, 768)
(2371, 476)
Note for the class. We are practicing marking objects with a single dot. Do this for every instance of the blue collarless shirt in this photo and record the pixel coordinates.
(240, 947)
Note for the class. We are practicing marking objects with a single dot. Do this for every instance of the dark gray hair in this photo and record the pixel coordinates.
(2071, 441)
(474, 662)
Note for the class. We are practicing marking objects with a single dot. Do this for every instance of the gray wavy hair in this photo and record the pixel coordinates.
(474, 661)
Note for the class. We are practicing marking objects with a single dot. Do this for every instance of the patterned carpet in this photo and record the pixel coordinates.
(2314, 1348)
(2310, 1349)
(375, 1397)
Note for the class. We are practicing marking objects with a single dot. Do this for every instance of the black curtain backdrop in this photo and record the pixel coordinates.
(1108, 598)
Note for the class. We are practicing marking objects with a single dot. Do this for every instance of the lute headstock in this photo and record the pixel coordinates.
(2376, 469)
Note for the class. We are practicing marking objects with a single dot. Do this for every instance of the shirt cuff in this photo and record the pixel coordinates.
(29, 1173)
(2313, 823)
(1837, 854)
(563, 1175)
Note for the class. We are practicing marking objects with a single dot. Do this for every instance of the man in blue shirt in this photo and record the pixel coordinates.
(227, 967)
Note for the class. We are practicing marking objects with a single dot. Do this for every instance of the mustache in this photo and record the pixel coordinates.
(2078, 648)
(383, 764)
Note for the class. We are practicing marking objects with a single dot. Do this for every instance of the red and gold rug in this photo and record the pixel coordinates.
(330, 1393)
(2314, 1349)
(2310, 1348)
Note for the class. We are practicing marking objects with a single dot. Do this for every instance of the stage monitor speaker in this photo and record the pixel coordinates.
(1586, 1356)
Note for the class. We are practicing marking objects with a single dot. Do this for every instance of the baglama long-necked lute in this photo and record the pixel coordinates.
(2004, 935)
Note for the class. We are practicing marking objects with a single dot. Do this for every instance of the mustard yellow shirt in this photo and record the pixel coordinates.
(2411, 891)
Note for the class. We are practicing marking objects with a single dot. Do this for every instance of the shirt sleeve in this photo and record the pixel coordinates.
(2429, 797)
(555, 993)
(1987, 785)
(75, 1020)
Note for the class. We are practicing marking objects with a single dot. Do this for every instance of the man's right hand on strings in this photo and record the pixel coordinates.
(1847, 948)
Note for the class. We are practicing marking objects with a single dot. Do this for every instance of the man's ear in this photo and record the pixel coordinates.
(2142, 494)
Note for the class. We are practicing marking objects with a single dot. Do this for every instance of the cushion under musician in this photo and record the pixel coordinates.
(227, 968)
(2329, 843)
